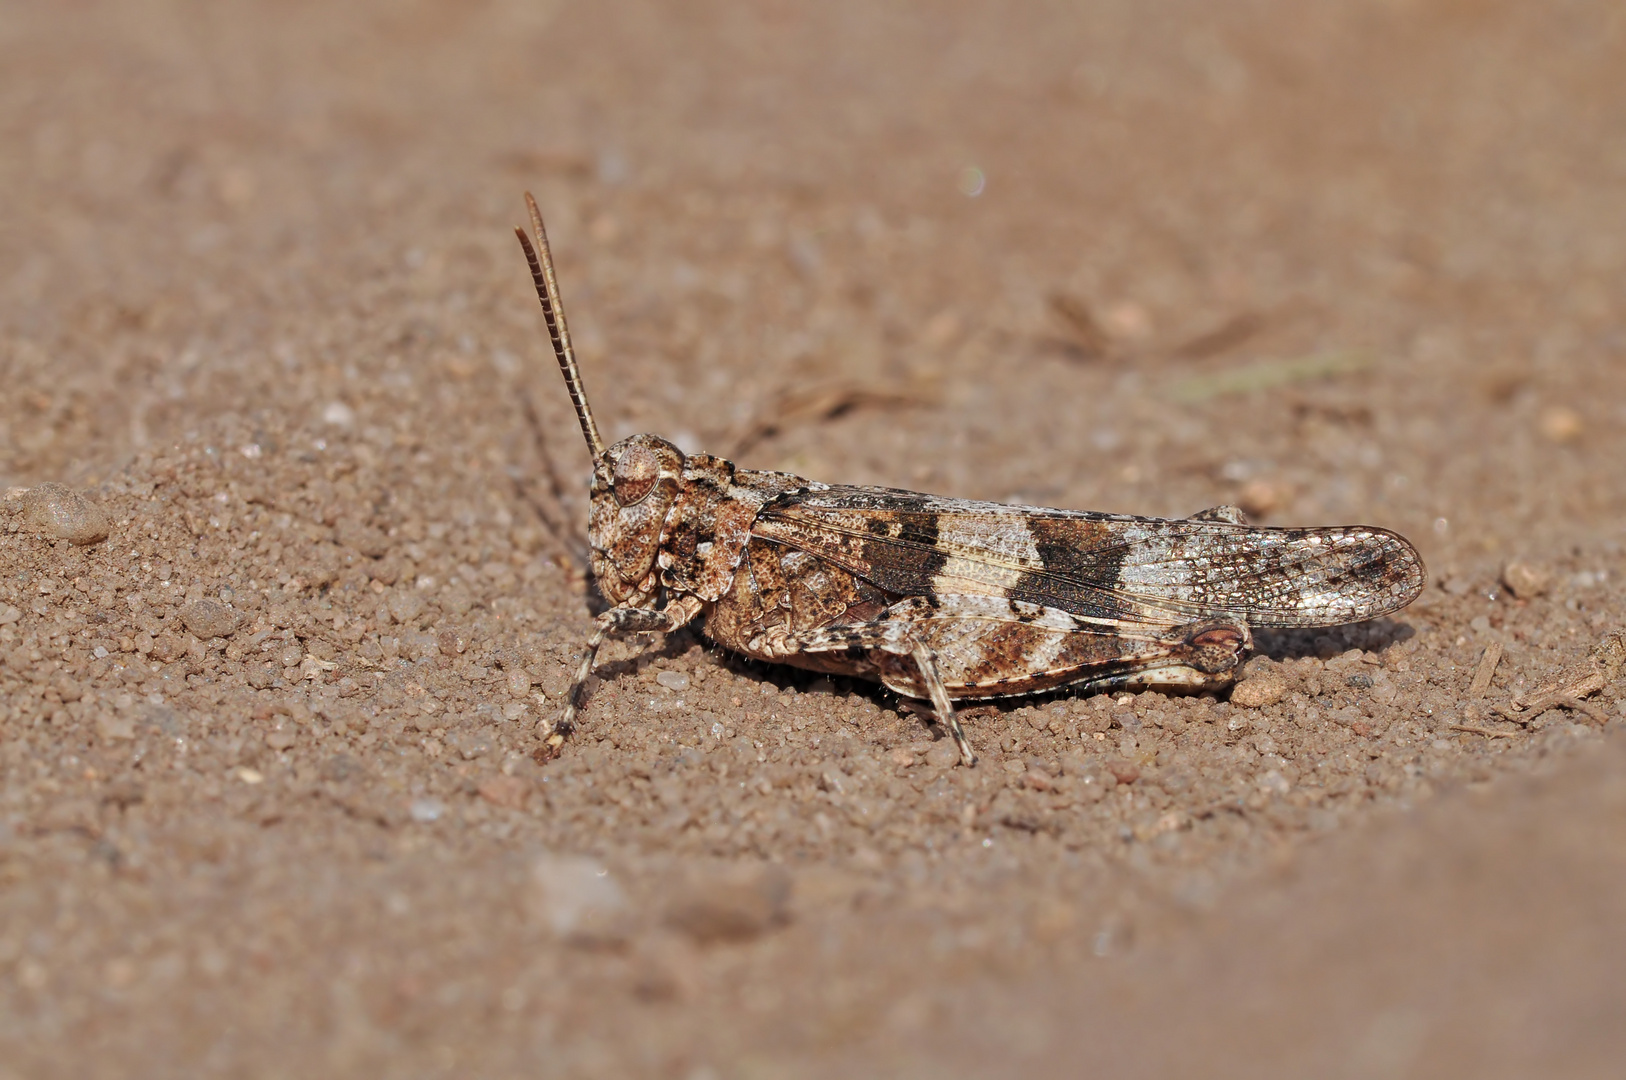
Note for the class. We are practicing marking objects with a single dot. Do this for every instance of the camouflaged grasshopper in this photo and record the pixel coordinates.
(946, 598)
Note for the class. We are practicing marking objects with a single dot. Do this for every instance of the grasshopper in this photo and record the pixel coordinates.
(943, 599)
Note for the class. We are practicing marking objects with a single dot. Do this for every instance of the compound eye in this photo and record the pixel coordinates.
(635, 474)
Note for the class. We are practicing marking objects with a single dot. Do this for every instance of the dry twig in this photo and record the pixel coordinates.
(1487, 732)
(1601, 667)
(1084, 333)
(1487, 669)
(1224, 337)
(818, 404)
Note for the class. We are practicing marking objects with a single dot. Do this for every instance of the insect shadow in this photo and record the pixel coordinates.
(1373, 636)
(665, 647)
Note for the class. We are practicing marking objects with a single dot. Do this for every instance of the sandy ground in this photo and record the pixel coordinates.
(270, 796)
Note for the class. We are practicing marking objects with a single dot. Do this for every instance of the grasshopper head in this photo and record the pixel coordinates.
(635, 483)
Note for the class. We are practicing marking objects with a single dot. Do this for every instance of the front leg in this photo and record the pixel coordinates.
(619, 622)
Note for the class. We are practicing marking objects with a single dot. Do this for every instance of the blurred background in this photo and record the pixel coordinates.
(1358, 260)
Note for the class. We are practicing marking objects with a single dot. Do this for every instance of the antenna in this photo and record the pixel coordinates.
(553, 309)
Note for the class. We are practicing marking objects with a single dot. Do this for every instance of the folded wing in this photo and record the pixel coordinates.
(1105, 567)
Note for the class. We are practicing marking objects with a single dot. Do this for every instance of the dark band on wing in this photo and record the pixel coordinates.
(1081, 560)
(1102, 566)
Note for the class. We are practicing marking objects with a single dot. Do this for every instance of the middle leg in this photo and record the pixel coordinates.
(894, 635)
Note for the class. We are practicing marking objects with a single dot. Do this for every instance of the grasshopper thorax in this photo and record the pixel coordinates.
(635, 483)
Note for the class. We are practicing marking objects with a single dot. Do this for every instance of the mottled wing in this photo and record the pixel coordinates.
(1105, 567)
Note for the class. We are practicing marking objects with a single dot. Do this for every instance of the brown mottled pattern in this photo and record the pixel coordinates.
(752, 604)
(1010, 599)
(705, 534)
(624, 539)
(984, 651)
(901, 554)
(1104, 566)
(686, 534)
(1272, 577)
(822, 594)
(817, 592)
(778, 593)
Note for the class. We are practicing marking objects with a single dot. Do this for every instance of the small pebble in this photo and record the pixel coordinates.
(363, 538)
(312, 668)
(58, 512)
(424, 811)
(115, 728)
(1259, 497)
(1273, 781)
(519, 683)
(1038, 780)
(279, 740)
(509, 791)
(673, 680)
(1265, 686)
(1525, 580)
(405, 607)
(1125, 772)
(1094, 784)
(1560, 423)
(579, 899)
(207, 619)
(943, 754)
